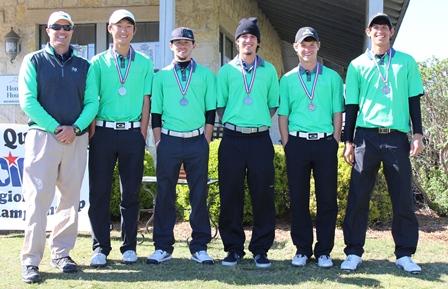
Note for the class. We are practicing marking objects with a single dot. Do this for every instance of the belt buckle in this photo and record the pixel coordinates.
(383, 130)
(120, 125)
(312, 136)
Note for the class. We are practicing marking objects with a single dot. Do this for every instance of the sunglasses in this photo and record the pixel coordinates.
(58, 27)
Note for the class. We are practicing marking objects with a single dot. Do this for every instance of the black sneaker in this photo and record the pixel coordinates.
(231, 260)
(262, 261)
(65, 264)
(30, 274)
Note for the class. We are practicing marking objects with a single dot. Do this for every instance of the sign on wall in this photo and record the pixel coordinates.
(12, 203)
(9, 89)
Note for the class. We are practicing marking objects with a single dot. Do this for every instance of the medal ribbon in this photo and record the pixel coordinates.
(121, 77)
(386, 77)
(187, 85)
(249, 87)
(313, 88)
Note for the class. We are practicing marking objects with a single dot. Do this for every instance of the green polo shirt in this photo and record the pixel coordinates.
(116, 107)
(200, 97)
(264, 94)
(328, 99)
(364, 87)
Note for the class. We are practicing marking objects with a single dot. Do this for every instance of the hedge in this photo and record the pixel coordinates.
(380, 205)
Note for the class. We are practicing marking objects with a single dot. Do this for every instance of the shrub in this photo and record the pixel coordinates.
(431, 166)
(146, 200)
(380, 205)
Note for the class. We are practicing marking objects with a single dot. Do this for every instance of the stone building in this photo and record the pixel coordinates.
(340, 24)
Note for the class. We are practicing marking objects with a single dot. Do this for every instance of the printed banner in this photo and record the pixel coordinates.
(12, 207)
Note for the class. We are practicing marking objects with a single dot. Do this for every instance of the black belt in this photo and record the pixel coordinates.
(380, 130)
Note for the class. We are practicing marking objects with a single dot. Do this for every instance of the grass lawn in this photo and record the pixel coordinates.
(377, 271)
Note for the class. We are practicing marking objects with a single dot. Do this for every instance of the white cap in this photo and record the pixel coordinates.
(59, 15)
(118, 15)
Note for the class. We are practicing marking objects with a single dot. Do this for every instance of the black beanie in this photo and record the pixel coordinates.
(248, 25)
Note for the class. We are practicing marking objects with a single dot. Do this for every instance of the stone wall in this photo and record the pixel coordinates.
(231, 11)
(206, 17)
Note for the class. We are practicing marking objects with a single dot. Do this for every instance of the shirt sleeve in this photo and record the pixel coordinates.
(149, 78)
(157, 94)
(414, 79)
(210, 96)
(91, 101)
(273, 94)
(27, 82)
(352, 85)
(284, 97)
(338, 95)
(222, 88)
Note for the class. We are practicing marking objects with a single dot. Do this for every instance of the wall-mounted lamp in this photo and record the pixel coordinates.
(12, 44)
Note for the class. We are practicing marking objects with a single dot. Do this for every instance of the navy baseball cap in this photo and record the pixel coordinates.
(180, 33)
(306, 32)
(380, 18)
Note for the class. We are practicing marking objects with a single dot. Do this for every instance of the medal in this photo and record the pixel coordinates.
(310, 94)
(122, 90)
(183, 101)
(183, 90)
(248, 87)
(384, 78)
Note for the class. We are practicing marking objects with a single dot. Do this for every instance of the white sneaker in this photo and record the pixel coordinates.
(324, 261)
(98, 260)
(351, 263)
(129, 257)
(158, 257)
(299, 260)
(202, 257)
(407, 264)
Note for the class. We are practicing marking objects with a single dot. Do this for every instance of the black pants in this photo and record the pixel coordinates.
(250, 155)
(106, 147)
(302, 157)
(171, 153)
(371, 150)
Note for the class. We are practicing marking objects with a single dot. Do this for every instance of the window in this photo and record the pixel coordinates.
(146, 40)
(88, 43)
(226, 48)
(83, 39)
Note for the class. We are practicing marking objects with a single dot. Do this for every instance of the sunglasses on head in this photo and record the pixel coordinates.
(58, 27)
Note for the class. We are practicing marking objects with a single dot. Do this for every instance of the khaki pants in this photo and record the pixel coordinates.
(49, 163)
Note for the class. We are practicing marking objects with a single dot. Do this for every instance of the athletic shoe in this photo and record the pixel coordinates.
(407, 264)
(129, 257)
(262, 261)
(324, 261)
(65, 264)
(299, 260)
(158, 257)
(202, 257)
(98, 260)
(231, 259)
(351, 263)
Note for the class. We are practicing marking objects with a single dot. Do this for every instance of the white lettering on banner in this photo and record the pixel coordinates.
(9, 89)
(12, 203)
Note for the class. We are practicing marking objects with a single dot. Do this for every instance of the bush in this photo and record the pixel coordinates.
(146, 200)
(431, 166)
(380, 205)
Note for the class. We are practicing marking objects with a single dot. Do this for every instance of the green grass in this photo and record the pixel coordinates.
(377, 271)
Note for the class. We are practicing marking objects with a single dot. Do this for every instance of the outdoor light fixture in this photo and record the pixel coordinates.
(12, 44)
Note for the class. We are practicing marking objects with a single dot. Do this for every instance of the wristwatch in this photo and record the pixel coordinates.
(76, 129)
